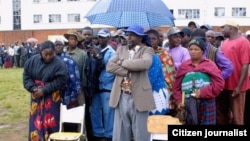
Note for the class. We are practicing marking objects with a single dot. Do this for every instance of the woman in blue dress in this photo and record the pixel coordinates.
(160, 92)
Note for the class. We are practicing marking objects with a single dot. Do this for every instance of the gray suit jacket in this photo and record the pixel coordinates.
(138, 66)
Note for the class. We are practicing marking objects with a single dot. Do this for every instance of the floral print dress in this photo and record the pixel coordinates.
(44, 115)
(168, 70)
(44, 111)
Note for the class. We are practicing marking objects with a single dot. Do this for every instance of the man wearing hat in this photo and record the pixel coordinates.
(102, 115)
(219, 38)
(80, 57)
(206, 27)
(186, 36)
(123, 40)
(72, 89)
(131, 94)
(232, 99)
(193, 25)
(178, 52)
(210, 36)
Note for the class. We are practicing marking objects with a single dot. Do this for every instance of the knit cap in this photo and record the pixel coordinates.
(199, 42)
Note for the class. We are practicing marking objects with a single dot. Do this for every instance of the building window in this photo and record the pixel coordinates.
(73, 17)
(37, 18)
(54, 18)
(16, 14)
(238, 11)
(189, 13)
(219, 11)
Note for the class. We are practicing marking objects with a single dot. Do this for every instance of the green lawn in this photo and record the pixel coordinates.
(14, 104)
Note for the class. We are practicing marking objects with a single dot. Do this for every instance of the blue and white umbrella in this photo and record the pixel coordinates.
(123, 13)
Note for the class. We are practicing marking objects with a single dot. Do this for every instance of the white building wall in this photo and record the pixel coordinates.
(207, 11)
(63, 8)
(29, 8)
(175, 5)
(6, 15)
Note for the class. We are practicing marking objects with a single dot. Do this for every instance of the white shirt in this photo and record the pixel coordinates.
(15, 50)
(11, 51)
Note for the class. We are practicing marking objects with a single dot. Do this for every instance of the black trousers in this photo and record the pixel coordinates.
(247, 109)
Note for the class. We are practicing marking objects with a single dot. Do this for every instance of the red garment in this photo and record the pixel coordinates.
(113, 44)
(206, 66)
(8, 62)
(238, 51)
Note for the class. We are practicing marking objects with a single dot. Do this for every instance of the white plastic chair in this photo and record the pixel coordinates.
(74, 115)
(157, 126)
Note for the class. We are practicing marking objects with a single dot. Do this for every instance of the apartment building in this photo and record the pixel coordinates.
(20, 19)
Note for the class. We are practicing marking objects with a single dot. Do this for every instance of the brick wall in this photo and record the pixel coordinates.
(9, 37)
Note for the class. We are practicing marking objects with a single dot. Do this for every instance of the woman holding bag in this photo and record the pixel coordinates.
(201, 81)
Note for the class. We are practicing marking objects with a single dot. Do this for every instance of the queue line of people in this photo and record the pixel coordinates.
(117, 81)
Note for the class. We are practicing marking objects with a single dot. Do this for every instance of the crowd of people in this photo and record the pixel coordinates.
(15, 55)
(124, 76)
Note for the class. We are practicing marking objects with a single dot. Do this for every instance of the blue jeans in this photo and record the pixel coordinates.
(102, 115)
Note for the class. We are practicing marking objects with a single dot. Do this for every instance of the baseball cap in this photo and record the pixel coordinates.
(174, 30)
(231, 23)
(103, 33)
(219, 35)
(207, 26)
(186, 31)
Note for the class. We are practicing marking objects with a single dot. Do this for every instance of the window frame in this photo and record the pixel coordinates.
(39, 18)
(76, 18)
(55, 18)
(237, 13)
(218, 10)
(187, 14)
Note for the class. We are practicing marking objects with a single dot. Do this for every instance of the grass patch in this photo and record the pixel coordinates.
(14, 101)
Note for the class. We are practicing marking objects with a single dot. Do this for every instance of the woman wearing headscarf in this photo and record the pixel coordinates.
(44, 76)
(201, 81)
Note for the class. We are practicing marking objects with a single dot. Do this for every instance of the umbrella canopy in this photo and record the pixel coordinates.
(29, 40)
(123, 13)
